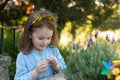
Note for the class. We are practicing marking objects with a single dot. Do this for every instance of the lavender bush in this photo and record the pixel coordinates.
(87, 64)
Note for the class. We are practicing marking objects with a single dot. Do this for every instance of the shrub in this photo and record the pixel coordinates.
(87, 64)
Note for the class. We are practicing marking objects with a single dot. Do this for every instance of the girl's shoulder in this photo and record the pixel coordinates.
(52, 47)
(20, 54)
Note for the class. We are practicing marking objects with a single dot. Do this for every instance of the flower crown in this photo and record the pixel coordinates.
(44, 16)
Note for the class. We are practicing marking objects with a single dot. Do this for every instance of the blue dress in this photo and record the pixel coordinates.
(26, 63)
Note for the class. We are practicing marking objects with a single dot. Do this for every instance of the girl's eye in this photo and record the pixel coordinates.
(44, 38)
(40, 38)
(49, 38)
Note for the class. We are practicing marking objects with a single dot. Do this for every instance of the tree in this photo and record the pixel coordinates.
(77, 11)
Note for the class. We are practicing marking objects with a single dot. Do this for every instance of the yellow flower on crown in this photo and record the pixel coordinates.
(51, 17)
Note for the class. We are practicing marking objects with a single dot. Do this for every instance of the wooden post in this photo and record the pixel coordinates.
(14, 40)
(2, 41)
(2, 38)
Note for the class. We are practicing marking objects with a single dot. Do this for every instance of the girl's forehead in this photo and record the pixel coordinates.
(43, 31)
(42, 28)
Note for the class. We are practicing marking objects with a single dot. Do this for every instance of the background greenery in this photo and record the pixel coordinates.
(100, 14)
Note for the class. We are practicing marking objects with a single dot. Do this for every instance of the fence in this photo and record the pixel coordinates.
(2, 39)
(5, 61)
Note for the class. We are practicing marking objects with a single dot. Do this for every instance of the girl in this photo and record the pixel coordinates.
(39, 57)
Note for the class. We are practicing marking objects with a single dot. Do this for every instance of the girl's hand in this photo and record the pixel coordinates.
(41, 66)
(54, 62)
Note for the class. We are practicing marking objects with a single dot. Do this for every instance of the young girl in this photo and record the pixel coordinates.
(39, 57)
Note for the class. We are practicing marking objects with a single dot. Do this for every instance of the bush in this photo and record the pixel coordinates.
(87, 64)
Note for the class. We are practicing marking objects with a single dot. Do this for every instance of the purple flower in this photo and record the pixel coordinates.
(107, 37)
(88, 43)
(96, 33)
(75, 45)
(91, 40)
(113, 40)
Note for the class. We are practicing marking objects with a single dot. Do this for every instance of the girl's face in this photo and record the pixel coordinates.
(41, 37)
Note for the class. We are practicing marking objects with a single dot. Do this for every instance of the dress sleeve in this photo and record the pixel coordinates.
(21, 69)
(60, 59)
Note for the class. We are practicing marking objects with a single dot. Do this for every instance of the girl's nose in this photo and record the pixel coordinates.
(45, 41)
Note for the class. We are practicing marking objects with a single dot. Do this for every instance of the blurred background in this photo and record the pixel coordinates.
(77, 21)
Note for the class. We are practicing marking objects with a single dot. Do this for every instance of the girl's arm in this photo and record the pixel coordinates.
(41, 67)
(21, 69)
(60, 59)
(35, 74)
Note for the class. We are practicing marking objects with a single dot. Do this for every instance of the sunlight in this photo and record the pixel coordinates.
(111, 34)
(98, 3)
(71, 4)
(82, 34)
(90, 17)
(66, 36)
(65, 39)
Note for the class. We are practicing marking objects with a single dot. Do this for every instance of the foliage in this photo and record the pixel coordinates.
(99, 10)
(87, 65)
(64, 52)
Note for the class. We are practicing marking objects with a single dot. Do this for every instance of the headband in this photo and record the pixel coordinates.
(44, 17)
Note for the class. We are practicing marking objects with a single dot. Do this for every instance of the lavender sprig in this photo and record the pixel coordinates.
(107, 37)
(96, 33)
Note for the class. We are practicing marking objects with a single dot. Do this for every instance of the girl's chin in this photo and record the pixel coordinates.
(40, 49)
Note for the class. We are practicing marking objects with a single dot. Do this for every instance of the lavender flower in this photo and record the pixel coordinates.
(107, 37)
(113, 40)
(91, 40)
(96, 33)
(88, 43)
(75, 45)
